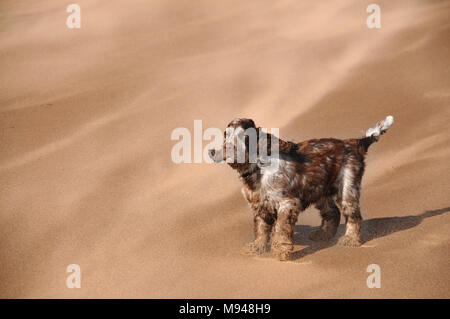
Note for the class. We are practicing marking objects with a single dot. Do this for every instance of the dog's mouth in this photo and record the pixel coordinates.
(216, 155)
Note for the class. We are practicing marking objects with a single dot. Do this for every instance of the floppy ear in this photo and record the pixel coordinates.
(264, 142)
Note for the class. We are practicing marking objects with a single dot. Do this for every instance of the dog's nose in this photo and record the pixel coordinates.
(212, 154)
(215, 155)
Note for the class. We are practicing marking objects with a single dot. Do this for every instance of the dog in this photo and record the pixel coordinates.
(323, 172)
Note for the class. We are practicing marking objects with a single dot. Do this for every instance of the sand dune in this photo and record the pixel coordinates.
(86, 116)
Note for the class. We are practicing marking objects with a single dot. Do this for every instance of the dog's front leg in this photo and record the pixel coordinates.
(262, 230)
(282, 245)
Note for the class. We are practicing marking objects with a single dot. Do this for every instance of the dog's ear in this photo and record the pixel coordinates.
(264, 142)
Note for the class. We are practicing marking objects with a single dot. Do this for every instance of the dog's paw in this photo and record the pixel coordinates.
(320, 235)
(349, 241)
(282, 251)
(253, 249)
(282, 255)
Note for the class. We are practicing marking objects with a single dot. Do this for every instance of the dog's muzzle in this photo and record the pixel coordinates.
(216, 155)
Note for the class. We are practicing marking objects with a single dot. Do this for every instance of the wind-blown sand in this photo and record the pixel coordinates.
(86, 117)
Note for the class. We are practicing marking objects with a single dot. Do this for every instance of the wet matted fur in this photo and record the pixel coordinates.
(325, 172)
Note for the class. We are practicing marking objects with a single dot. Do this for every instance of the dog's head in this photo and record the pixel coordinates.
(239, 147)
(244, 144)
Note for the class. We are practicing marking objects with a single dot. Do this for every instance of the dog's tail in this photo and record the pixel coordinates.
(373, 134)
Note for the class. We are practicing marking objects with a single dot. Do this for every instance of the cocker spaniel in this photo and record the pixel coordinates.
(280, 182)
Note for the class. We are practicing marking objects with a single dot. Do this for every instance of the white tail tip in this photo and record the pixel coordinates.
(387, 123)
(381, 127)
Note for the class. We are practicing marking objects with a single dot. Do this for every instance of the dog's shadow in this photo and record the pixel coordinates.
(371, 229)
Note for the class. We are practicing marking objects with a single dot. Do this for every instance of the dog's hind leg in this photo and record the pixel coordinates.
(331, 216)
(352, 237)
(261, 227)
(283, 231)
(348, 203)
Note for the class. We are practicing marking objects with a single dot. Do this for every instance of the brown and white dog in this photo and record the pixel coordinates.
(326, 172)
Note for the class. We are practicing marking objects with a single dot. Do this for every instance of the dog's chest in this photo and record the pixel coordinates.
(261, 201)
(276, 184)
(279, 178)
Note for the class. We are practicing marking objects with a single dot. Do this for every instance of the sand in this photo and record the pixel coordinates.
(86, 115)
